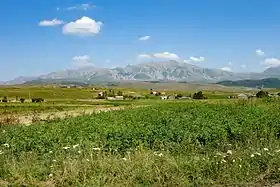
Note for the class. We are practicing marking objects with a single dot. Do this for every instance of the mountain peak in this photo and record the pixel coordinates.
(164, 70)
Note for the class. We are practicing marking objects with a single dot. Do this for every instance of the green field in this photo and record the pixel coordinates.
(166, 144)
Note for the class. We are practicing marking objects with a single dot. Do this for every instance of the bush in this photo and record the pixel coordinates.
(178, 96)
(22, 100)
(100, 97)
(262, 94)
(37, 100)
(198, 95)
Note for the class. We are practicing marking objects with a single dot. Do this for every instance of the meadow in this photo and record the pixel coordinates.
(175, 143)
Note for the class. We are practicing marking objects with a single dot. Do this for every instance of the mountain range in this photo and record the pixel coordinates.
(151, 71)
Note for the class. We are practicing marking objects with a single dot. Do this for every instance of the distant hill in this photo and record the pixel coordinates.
(266, 83)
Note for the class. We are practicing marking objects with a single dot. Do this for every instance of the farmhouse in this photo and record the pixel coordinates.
(164, 97)
(171, 97)
(242, 96)
(118, 98)
(111, 98)
(101, 94)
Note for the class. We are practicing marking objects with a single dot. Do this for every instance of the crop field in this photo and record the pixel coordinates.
(164, 144)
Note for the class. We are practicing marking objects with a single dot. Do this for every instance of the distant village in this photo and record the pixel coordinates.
(112, 95)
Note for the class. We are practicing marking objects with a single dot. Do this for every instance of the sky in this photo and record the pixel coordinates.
(38, 37)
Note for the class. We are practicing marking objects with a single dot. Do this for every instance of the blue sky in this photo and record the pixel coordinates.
(38, 37)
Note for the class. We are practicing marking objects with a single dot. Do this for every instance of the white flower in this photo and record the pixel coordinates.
(219, 154)
(54, 160)
(229, 152)
(79, 152)
(158, 154)
(87, 160)
(265, 149)
(233, 160)
(277, 151)
(1, 152)
(6, 145)
(3, 131)
(240, 166)
(223, 161)
(125, 159)
(74, 146)
(66, 148)
(252, 155)
(258, 153)
(50, 152)
(51, 175)
(96, 149)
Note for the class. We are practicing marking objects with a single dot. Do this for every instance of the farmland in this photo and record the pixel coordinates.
(178, 143)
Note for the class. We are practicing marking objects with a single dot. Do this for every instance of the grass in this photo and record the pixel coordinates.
(47, 93)
(167, 144)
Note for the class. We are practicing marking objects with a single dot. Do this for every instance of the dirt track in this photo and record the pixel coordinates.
(45, 116)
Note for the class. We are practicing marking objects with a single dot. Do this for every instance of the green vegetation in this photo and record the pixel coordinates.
(262, 94)
(193, 143)
(266, 83)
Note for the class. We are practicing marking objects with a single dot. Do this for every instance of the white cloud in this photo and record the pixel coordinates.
(260, 53)
(272, 62)
(166, 55)
(84, 26)
(82, 61)
(144, 56)
(197, 59)
(143, 38)
(50, 23)
(226, 69)
(84, 7)
(186, 61)
(243, 66)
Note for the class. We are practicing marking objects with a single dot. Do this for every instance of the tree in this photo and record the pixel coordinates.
(22, 100)
(198, 95)
(5, 99)
(262, 94)
(119, 93)
(111, 93)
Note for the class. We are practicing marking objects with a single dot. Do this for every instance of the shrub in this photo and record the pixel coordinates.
(37, 100)
(178, 96)
(22, 100)
(262, 94)
(100, 97)
(198, 95)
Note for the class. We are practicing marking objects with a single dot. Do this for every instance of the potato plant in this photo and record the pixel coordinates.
(167, 144)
